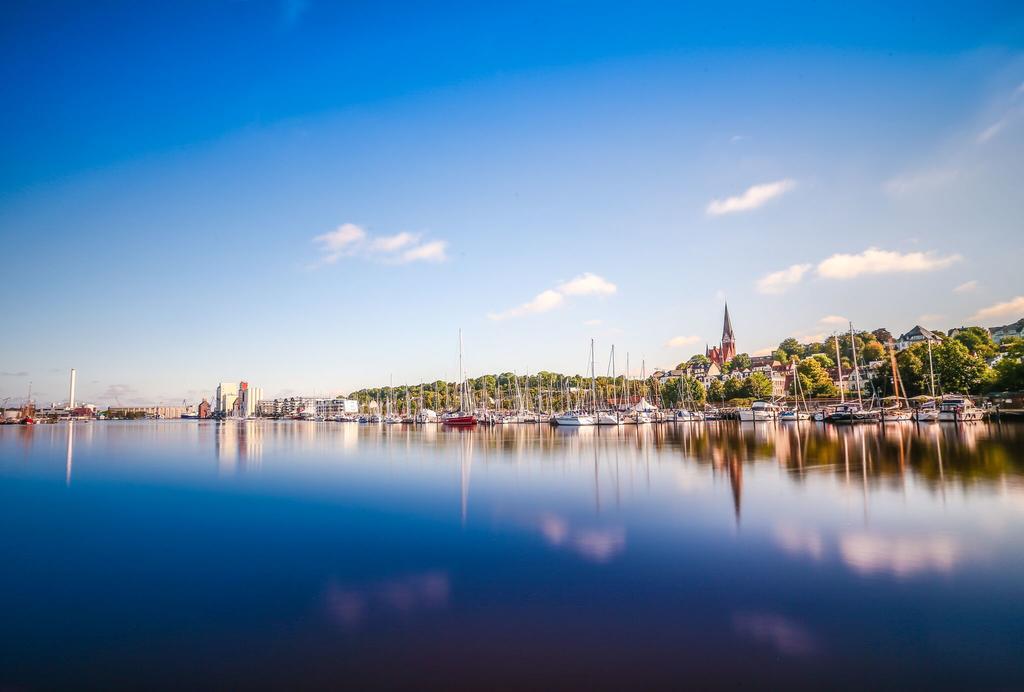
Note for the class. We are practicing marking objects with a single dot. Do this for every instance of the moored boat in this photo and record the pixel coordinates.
(959, 409)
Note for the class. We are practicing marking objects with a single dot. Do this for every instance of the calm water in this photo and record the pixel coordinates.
(285, 554)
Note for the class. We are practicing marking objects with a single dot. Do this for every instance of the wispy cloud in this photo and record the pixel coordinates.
(680, 341)
(967, 287)
(20, 373)
(876, 261)
(587, 284)
(1009, 309)
(753, 197)
(913, 183)
(434, 251)
(992, 130)
(583, 285)
(778, 282)
(592, 323)
(833, 320)
(350, 240)
(930, 317)
(340, 242)
(393, 243)
(542, 302)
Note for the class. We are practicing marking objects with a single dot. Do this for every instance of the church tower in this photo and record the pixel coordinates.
(728, 338)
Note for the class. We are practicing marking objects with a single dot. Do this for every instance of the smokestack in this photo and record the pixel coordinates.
(71, 395)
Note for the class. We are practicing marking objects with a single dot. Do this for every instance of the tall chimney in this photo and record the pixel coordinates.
(71, 395)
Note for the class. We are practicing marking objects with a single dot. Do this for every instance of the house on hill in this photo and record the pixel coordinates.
(1008, 330)
(917, 335)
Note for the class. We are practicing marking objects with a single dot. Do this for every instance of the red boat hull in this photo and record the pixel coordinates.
(460, 421)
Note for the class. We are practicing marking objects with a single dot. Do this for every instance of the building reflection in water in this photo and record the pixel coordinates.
(239, 445)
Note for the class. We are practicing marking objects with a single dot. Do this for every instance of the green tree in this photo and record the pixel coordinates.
(824, 359)
(791, 347)
(734, 388)
(814, 379)
(958, 370)
(781, 356)
(978, 341)
(741, 361)
(1009, 371)
(698, 360)
(757, 386)
(716, 391)
(871, 351)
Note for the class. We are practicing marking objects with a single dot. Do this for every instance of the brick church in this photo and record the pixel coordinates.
(719, 355)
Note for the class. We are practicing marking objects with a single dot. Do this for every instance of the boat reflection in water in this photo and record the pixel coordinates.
(323, 554)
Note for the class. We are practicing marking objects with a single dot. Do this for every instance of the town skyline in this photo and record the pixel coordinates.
(320, 221)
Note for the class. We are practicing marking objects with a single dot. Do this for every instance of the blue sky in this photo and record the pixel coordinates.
(315, 197)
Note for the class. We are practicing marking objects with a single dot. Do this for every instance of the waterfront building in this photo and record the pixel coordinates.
(336, 407)
(227, 394)
(248, 397)
(147, 411)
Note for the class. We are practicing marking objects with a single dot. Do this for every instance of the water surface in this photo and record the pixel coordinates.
(185, 554)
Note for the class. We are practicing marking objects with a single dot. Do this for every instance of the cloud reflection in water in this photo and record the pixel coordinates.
(350, 606)
(784, 635)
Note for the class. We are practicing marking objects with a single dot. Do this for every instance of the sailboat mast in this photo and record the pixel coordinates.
(856, 368)
(839, 364)
(931, 369)
(593, 378)
(462, 378)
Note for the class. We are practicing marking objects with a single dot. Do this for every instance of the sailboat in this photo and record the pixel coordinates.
(928, 412)
(464, 416)
(795, 414)
(581, 416)
(897, 413)
(851, 412)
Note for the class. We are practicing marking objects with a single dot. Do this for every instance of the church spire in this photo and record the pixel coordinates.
(727, 326)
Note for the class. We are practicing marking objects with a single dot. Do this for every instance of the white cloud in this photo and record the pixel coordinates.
(966, 286)
(778, 282)
(340, 242)
(991, 131)
(876, 261)
(752, 198)
(766, 351)
(393, 243)
(810, 337)
(1011, 308)
(542, 302)
(592, 323)
(901, 186)
(833, 319)
(587, 284)
(350, 240)
(434, 251)
(679, 341)
(583, 285)
(930, 317)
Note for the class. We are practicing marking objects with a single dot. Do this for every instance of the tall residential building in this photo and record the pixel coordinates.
(227, 394)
